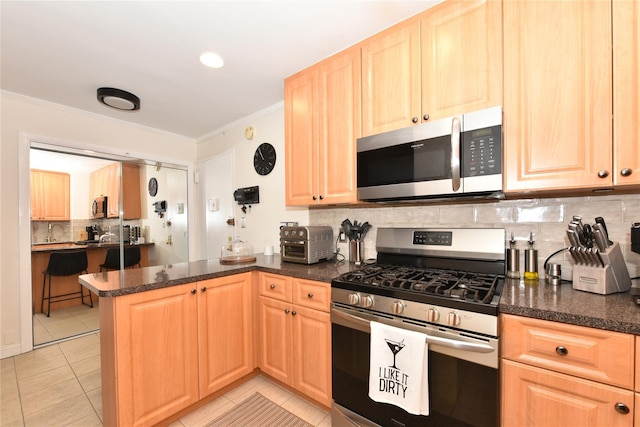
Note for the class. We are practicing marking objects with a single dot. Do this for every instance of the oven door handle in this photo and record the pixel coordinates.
(365, 326)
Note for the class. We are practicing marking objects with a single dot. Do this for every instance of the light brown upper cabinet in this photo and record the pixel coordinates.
(50, 196)
(442, 62)
(626, 86)
(106, 182)
(559, 89)
(322, 122)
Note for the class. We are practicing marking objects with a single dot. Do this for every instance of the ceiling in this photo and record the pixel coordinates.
(62, 51)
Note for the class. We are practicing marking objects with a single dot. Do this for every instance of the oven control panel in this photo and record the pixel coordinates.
(438, 238)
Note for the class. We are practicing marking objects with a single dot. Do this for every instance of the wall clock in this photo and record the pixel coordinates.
(264, 159)
(153, 187)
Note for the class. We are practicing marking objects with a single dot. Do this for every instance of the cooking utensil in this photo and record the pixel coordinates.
(600, 220)
(599, 237)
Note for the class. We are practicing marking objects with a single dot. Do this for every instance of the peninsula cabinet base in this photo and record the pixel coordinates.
(536, 397)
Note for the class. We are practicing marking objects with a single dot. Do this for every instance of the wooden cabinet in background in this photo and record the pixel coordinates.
(50, 196)
(558, 95)
(560, 374)
(175, 346)
(443, 62)
(106, 182)
(295, 334)
(626, 80)
(322, 122)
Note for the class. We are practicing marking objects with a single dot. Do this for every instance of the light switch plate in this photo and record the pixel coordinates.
(213, 205)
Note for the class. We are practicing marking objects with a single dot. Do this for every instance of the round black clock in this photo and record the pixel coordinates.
(264, 159)
(153, 187)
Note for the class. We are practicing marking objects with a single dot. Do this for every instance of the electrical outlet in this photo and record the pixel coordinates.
(342, 237)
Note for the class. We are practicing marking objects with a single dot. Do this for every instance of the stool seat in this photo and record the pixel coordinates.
(132, 257)
(64, 263)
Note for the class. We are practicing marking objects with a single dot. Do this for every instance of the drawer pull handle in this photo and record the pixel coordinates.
(310, 294)
(272, 287)
(293, 313)
(562, 351)
(193, 291)
(622, 408)
(203, 289)
(287, 311)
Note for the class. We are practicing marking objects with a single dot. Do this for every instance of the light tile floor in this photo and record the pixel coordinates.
(59, 385)
(65, 322)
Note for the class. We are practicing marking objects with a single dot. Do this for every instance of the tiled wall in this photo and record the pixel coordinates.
(546, 218)
(69, 231)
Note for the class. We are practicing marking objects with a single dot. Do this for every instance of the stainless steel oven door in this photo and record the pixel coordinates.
(294, 250)
(462, 392)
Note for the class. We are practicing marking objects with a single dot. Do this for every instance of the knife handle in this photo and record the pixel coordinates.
(600, 235)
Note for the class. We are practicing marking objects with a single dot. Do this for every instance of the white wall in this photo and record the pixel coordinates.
(262, 219)
(20, 116)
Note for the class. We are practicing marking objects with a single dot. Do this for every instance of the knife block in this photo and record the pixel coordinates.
(612, 278)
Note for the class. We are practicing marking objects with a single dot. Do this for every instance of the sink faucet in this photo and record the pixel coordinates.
(48, 239)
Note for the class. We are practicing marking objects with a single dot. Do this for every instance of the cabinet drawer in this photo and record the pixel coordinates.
(603, 356)
(275, 286)
(637, 365)
(312, 294)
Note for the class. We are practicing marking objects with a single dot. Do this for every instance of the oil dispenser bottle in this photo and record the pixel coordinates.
(513, 260)
(531, 261)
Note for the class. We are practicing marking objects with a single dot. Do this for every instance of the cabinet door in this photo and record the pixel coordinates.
(156, 353)
(536, 397)
(113, 190)
(131, 206)
(338, 126)
(275, 339)
(626, 107)
(50, 196)
(557, 94)
(225, 338)
(312, 353)
(461, 44)
(301, 152)
(391, 79)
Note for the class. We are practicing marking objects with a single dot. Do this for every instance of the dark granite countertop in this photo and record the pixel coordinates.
(118, 283)
(64, 246)
(614, 312)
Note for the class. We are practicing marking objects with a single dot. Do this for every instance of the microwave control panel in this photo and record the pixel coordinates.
(482, 151)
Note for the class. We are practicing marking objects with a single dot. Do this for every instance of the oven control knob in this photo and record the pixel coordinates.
(397, 307)
(454, 319)
(367, 302)
(433, 315)
(354, 299)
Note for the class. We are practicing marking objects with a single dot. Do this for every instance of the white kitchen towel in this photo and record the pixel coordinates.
(399, 368)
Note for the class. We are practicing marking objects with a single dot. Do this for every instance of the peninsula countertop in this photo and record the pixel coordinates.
(613, 312)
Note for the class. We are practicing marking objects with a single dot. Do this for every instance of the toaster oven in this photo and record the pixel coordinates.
(306, 244)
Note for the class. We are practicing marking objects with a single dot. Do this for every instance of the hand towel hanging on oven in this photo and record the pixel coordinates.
(399, 368)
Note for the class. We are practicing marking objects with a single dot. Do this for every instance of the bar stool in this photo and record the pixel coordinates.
(64, 263)
(112, 259)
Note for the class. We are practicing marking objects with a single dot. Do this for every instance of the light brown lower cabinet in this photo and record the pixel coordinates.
(295, 334)
(556, 374)
(165, 349)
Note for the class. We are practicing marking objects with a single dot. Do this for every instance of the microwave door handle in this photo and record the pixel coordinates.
(364, 325)
(455, 154)
(94, 208)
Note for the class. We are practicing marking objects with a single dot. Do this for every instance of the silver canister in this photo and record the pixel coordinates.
(513, 263)
(554, 274)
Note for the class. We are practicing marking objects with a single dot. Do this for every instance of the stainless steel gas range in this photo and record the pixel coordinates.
(444, 283)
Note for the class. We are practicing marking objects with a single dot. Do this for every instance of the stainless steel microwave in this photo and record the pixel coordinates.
(448, 158)
(99, 207)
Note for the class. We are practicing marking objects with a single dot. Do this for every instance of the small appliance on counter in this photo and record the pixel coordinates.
(306, 244)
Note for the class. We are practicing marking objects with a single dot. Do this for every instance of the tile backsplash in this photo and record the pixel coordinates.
(69, 231)
(546, 218)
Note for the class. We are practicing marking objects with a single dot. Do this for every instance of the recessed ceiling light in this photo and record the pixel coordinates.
(118, 99)
(212, 60)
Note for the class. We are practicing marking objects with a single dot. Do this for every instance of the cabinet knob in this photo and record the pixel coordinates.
(287, 311)
(626, 171)
(622, 408)
(203, 289)
(321, 197)
(310, 294)
(425, 117)
(562, 351)
(193, 291)
(272, 287)
(294, 313)
(414, 120)
(603, 173)
(314, 198)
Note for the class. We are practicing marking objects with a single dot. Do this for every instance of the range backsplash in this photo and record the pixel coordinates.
(546, 218)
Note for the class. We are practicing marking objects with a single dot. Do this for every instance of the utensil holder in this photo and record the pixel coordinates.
(355, 251)
(611, 278)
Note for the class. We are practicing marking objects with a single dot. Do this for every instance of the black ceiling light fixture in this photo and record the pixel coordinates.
(118, 99)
